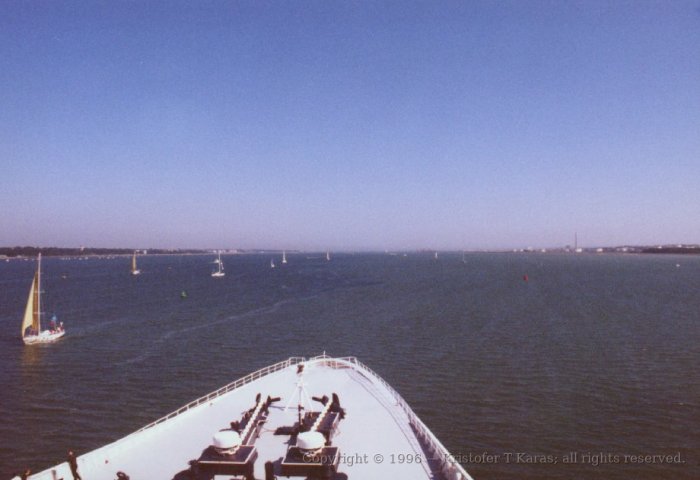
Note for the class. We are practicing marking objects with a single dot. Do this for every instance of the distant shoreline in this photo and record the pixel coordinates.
(29, 252)
(22, 252)
(83, 252)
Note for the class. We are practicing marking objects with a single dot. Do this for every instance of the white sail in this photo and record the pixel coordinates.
(284, 257)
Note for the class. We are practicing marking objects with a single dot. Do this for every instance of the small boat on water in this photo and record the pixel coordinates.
(272, 263)
(284, 257)
(31, 323)
(328, 255)
(219, 272)
(134, 270)
(320, 418)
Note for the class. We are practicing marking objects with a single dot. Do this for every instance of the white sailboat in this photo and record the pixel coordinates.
(220, 271)
(31, 323)
(328, 255)
(284, 257)
(134, 270)
(272, 263)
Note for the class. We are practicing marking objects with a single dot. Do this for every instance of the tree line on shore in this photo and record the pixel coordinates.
(84, 251)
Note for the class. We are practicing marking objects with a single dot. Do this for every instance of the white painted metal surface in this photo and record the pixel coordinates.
(379, 438)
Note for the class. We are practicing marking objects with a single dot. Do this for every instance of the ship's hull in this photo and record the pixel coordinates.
(44, 337)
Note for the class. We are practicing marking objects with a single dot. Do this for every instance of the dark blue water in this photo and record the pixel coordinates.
(594, 355)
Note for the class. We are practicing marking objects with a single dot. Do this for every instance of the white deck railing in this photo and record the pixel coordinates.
(450, 468)
(227, 388)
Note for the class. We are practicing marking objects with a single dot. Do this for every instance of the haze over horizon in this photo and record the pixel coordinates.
(349, 125)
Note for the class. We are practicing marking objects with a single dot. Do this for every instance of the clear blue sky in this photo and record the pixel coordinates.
(349, 124)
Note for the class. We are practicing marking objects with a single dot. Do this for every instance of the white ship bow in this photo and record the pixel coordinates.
(370, 429)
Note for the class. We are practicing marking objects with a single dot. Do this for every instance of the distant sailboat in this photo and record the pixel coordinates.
(134, 270)
(464, 260)
(272, 263)
(328, 255)
(436, 255)
(220, 271)
(31, 323)
(284, 257)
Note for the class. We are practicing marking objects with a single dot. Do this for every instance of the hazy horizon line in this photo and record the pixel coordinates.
(360, 249)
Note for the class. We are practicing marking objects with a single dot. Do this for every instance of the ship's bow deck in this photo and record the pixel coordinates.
(376, 439)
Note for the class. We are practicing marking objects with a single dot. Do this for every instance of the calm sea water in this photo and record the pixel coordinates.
(594, 355)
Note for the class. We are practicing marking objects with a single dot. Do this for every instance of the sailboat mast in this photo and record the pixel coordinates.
(38, 294)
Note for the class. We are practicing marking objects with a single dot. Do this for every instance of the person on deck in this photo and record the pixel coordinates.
(73, 462)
